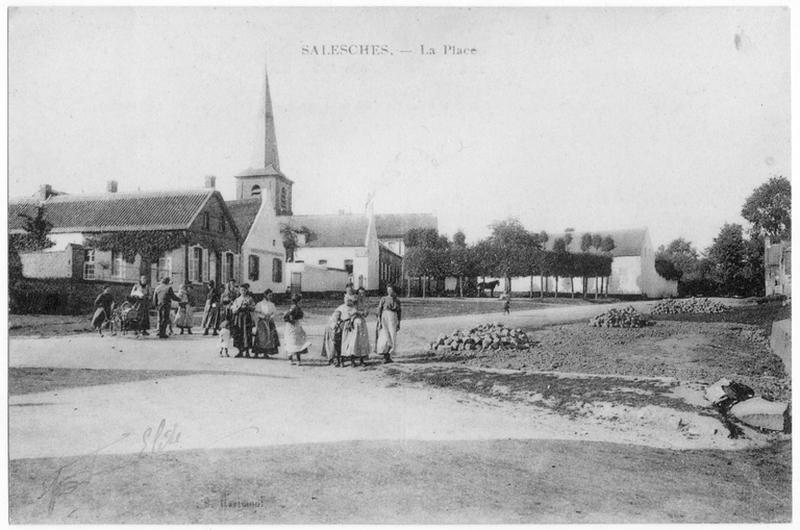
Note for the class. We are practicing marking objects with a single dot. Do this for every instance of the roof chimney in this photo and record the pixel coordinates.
(45, 191)
(211, 181)
(111, 186)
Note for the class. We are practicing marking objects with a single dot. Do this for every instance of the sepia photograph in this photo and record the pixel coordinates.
(399, 265)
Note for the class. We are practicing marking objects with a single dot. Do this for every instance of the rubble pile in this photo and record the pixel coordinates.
(738, 401)
(688, 305)
(619, 318)
(481, 338)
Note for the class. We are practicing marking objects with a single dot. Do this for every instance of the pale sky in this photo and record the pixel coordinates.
(586, 118)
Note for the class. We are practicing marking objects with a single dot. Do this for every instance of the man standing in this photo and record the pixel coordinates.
(142, 293)
(163, 295)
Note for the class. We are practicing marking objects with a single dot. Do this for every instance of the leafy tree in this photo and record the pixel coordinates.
(683, 258)
(667, 270)
(733, 261)
(769, 209)
(35, 238)
(459, 239)
(425, 237)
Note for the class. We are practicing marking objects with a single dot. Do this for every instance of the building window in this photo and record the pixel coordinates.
(222, 226)
(118, 265)
(196, 265)
(255, 191)
(88, 264)
(206, 221)
(348, 266)
(229, 273)
(277, 270)
(252, 267)
(164, 268)
(323, 262)
(283, 200)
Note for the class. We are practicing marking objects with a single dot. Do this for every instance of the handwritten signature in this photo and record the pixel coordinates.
(79, 472)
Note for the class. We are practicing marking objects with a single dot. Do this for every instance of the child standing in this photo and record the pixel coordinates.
(332, 340)
(506, 298)
(224, 338)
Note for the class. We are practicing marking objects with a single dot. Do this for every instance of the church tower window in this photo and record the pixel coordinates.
(283, 200)
(255, 191)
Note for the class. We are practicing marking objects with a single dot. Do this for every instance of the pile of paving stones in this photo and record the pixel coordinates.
(484, 337)
(619, 318)
(688, 305)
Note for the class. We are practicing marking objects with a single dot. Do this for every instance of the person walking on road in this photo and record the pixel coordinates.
(266, 340)
(141, 294)
(163, 296)
(389, 313)
(212, 310)
(293, 333)
(241, 311)
(104, 304)
(185, 315)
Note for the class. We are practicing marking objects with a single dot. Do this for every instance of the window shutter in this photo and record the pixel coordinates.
(206, 270)
(237, 268)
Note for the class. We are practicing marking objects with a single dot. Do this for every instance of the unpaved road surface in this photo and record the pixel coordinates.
(321, 444)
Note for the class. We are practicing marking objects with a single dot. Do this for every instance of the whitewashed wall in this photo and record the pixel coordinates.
(316, 279)
(265, 241)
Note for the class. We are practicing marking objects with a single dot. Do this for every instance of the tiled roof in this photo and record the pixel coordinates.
(244, 213)
(350, 230)
(626, 242)
(396, 225)
(161, 210)
(344, 230)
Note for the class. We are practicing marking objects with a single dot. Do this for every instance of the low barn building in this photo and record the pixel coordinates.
(633, 269)
(93, 235)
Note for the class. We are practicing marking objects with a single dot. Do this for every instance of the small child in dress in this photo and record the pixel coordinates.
(224, 338)
(332, 340)
(506, 298)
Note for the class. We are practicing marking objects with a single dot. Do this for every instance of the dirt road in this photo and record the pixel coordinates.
(162, 446)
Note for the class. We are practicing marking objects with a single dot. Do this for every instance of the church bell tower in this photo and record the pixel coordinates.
(267, 183)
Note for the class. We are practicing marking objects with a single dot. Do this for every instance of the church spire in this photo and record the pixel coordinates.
(270, 141)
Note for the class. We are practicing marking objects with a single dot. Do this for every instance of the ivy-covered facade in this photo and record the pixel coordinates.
(188, 235)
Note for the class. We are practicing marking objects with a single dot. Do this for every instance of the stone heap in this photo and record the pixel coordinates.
(688, 305)
(484, 337)
(619, 318)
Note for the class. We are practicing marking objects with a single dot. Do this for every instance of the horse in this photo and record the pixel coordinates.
(491, 286)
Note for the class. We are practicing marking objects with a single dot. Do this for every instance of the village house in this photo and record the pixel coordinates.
(633, 269)
(200, 238)
(777, 268)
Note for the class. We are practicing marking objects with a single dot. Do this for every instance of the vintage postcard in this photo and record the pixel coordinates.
(399, 265)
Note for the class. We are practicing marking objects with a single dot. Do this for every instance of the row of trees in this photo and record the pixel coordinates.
(510, 251)
(734, 263)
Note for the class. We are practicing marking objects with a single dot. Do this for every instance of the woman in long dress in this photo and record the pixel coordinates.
(241, 314)
(141, 293)
(388, 324)
(355, 338)
(183, 319)
(212, 310)
(266, 340)
(293, 333)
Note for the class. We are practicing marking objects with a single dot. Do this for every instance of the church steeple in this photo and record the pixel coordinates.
(267, 183)
(270, 140)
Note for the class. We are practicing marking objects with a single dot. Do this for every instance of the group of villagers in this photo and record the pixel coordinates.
(232, 314)
(346, 336)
